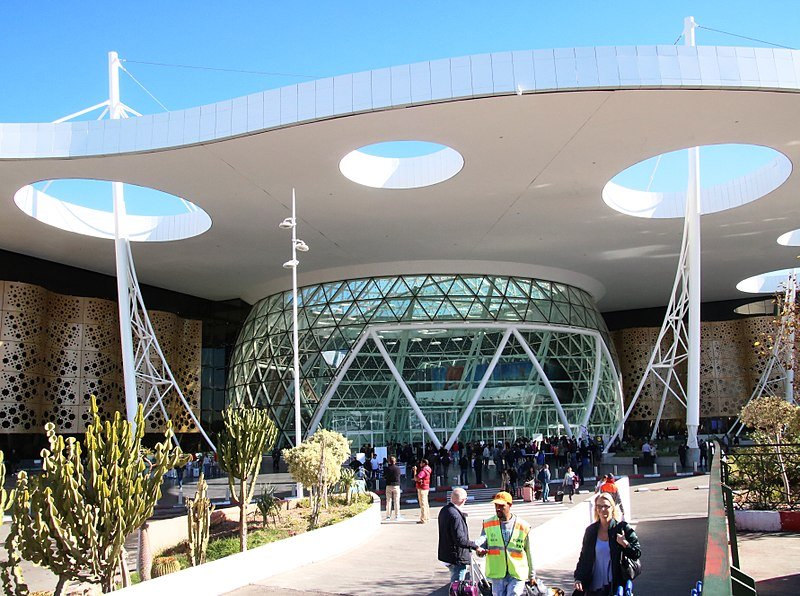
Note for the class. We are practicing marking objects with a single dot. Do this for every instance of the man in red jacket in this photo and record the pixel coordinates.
(422, 478)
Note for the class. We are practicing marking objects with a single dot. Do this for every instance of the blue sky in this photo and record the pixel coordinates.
(54, 52)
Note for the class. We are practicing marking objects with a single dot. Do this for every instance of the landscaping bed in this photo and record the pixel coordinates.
(224, 534)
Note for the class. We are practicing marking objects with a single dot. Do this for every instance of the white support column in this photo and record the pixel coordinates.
(545, 380)
(791, 296)
(693, 208)
(326, 400)
(121, 253)
(404, 388)
(598, 361)
(479, 391)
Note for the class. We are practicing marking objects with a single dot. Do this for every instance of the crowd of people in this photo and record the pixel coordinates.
(467, 463)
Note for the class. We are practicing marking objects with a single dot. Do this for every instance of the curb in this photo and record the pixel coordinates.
(238, 570)
(767, 521)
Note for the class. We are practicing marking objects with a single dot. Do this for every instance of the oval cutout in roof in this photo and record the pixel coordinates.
(731, 175)
(86, 207)
(401, 164)
(769, 282)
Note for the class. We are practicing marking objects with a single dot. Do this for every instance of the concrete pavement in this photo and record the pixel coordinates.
(402, 557)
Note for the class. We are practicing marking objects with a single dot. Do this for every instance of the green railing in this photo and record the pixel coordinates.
(722, 575)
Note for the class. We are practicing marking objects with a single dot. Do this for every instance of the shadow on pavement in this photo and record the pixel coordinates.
(779, 586)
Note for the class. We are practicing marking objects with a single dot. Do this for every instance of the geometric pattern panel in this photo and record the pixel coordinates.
(730, 367)
(441, 366)
(56, 351)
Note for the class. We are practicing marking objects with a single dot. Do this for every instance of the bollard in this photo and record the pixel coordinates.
(675, 467)
(699, 588)
(596, 472)
(694, 465)
(635, 469)
(655, 468)
(620, 592)
(616, 473)
(438, 481)
(694, 591)
(629, 588)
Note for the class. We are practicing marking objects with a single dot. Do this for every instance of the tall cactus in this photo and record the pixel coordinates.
(198, 520)
(248, 434)
(73, 519)
(11, 579)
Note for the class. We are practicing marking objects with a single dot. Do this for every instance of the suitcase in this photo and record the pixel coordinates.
(484, 586)
(466, 587)
(559, 496)
(527, 494)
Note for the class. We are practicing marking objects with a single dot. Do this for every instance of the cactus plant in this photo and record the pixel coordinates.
(198, 520)
(268, 504)
(73, 519)
(247, 435)
(347, 480)
(11, 579)
(164, 565)
(144, 559)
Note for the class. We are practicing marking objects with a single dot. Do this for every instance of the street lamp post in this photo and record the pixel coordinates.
(297, 245)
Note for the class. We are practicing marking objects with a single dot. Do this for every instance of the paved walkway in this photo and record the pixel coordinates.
(401, 559)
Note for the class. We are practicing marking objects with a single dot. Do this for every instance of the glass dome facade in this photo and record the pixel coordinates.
(431, 357)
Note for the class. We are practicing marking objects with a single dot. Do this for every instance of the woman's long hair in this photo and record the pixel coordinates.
(615, 512)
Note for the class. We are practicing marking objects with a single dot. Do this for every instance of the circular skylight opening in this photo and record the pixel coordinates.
(86, 207)
(731, 175)
(790, 238)
(759, 307)
(771, 282)
(401, 164)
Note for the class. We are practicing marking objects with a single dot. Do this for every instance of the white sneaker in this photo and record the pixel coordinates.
(388, 518)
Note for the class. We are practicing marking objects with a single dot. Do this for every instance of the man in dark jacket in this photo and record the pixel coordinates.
(392, 476)
(454, 542)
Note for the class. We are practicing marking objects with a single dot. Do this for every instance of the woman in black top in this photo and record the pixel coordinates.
(599, 572)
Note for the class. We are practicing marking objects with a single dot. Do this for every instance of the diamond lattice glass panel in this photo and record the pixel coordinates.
(441, 334)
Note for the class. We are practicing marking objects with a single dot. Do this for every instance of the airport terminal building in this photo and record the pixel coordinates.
(498, 284)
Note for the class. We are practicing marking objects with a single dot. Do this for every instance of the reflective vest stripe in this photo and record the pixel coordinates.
(491, 523)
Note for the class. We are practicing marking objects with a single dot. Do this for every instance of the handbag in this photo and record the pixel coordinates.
(631, 568)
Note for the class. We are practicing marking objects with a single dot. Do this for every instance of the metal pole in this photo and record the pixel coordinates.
(296, 341)
(791, 296)
(121, 253)
(693, 278)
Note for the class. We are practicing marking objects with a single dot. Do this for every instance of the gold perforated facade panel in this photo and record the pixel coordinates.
(729, 368)
(56, 351)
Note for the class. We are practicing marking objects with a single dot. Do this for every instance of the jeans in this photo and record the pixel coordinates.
(424, 508)
(508, 586)
(457, 572)
(545, 491)
(393, 500)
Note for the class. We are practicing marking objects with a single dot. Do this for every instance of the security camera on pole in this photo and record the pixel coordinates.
(297, 245)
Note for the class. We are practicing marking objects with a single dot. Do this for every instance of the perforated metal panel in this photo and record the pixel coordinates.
(56, 351)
